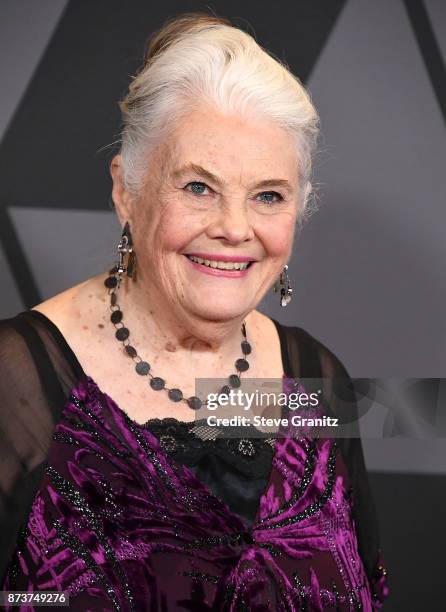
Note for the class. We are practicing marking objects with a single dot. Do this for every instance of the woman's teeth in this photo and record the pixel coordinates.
(220, 265)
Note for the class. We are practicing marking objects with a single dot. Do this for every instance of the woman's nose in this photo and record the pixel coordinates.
(233, 223)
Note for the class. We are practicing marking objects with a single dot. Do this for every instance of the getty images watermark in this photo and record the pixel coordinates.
(261, 407)
(329, 407)
(250, 401)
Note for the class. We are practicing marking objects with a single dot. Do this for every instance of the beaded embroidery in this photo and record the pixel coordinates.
(118, 511)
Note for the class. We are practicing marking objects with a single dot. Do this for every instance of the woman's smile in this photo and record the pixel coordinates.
(221, 265)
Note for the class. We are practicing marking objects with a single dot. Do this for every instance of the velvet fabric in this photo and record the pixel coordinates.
(119, 525)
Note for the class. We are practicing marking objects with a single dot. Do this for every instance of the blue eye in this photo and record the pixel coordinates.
(270, 202)
(197, 187)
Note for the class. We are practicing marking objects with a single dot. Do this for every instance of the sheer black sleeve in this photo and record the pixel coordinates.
(37, 370)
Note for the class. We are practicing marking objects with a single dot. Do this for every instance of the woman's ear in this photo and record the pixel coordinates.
(121, 197)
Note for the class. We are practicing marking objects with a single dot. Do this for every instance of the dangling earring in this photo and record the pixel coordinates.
(286, 291)
(125, 247)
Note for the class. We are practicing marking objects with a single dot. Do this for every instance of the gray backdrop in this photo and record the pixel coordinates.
(369, 268)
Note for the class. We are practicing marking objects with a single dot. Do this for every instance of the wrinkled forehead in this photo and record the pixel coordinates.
(229, 147)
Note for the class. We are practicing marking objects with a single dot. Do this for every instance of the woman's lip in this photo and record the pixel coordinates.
(216, 272)
(215, 257)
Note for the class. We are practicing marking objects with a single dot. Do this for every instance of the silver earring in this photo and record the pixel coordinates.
(286, 291)
(125, 247)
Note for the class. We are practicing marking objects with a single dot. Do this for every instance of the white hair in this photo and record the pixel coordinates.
(198, 59)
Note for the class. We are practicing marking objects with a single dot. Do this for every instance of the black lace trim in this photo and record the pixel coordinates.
(189, 442)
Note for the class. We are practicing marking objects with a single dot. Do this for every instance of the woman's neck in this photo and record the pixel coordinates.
(168, 329)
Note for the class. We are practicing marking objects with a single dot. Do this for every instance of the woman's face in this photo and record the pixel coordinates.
(223, 190)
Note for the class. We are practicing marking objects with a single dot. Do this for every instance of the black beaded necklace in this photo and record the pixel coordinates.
(143, 368)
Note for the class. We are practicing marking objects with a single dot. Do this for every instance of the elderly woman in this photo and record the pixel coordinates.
(110, 492)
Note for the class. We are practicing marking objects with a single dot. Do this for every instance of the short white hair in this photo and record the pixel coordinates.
(198, 59)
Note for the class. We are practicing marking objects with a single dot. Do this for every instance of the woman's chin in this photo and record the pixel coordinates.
(220, 311)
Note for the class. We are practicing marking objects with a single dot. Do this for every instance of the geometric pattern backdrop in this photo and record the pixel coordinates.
(369, 268)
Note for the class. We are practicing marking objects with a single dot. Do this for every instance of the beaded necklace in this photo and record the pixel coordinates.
(143, 367)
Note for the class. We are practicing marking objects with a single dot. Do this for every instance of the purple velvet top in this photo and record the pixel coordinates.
(119, 525)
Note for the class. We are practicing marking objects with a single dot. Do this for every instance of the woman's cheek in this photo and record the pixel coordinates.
(277, 239)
